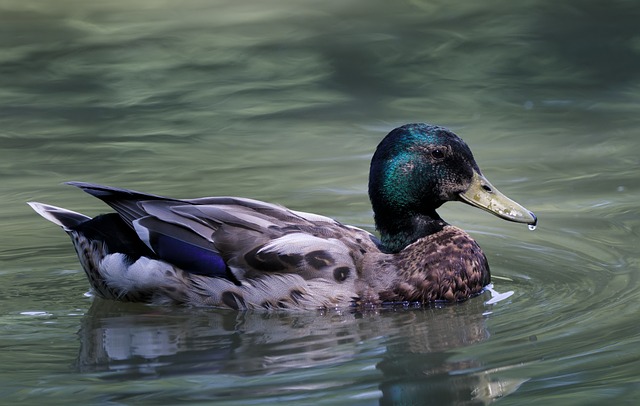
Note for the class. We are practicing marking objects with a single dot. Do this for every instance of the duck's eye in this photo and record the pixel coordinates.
(437, 153)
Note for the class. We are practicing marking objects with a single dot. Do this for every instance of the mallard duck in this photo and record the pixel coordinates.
(239, 253)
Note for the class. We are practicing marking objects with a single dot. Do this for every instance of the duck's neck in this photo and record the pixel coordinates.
(396, 232)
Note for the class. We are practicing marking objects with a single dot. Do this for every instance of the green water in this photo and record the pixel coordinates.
(285, 101)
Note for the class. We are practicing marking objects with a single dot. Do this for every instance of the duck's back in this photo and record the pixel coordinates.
(221, 251)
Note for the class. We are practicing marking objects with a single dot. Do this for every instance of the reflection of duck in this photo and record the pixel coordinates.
(139, 340)
(242, 253)
(417, 357)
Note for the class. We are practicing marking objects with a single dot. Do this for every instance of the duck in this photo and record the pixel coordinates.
(243, 254)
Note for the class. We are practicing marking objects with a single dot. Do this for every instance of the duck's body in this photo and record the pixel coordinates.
(243, 254)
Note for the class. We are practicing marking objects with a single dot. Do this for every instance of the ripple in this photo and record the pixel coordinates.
(36, 313)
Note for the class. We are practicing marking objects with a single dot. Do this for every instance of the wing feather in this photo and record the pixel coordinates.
(245, 237)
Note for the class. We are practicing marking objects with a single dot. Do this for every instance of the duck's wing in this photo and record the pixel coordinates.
(277, 258)
(255, 239)
(240, 238)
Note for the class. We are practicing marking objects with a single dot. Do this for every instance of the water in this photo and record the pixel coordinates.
(285, 102)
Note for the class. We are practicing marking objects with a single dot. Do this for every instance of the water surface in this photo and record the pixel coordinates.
(285, 102)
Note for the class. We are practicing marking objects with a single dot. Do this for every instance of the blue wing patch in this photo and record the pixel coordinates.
(181, 247)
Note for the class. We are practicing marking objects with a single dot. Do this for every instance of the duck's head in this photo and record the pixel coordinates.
(418, 167)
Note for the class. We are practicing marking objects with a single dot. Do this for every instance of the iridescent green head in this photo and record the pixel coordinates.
(418, 167)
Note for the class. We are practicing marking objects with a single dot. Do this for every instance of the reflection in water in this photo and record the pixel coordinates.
(416, 364)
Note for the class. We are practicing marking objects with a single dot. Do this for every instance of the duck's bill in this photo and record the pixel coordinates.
(483, 195)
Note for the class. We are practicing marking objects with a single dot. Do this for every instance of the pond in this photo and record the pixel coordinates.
(285, 101)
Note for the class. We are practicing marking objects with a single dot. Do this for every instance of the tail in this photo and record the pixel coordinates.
(66, 219)
(106, 247)
(90, 253)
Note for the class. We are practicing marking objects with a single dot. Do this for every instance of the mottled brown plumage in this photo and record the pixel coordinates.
(444, 266)
(245, 254)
